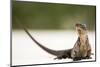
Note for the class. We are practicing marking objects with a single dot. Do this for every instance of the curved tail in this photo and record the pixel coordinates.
(53, 52)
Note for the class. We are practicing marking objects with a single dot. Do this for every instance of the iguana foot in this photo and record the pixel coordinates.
(87, 58)
(76, 58)
(61, 57)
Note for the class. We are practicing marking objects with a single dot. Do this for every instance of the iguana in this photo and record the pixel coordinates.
(81, 49)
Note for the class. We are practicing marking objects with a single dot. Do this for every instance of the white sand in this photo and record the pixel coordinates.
(25, 51)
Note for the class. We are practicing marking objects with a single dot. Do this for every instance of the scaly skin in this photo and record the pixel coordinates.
(81, 49)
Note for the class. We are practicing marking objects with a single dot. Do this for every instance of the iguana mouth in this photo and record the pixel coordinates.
(79, 31)
(81, 28)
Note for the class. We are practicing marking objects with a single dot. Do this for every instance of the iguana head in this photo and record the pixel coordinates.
(81, 29)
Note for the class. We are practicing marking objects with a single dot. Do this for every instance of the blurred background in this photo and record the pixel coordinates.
(36, 15)
(52, 25)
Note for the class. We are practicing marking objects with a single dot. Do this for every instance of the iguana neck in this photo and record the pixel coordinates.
(83, 38)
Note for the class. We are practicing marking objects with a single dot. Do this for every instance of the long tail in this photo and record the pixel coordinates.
(53, 52)
(50, 51)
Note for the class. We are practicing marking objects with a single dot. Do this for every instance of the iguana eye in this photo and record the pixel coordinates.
(82, 26)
